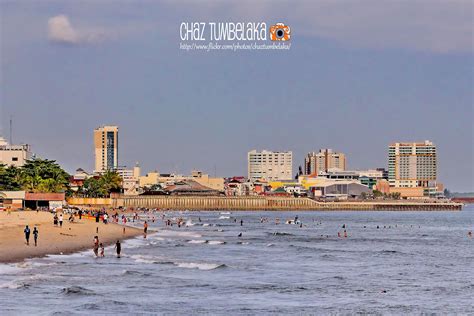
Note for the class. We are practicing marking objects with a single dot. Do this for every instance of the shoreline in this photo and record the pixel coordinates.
(52, 240)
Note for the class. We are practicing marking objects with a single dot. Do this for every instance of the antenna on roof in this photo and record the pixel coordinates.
(11, 130)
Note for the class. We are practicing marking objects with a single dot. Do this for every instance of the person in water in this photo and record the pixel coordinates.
(27, 235)
(118, 248)
(35, 235)
(102, 250)
(96, 246)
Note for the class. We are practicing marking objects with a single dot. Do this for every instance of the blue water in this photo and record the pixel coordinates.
(421, 262)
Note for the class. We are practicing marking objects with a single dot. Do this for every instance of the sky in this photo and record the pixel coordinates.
(359, 76)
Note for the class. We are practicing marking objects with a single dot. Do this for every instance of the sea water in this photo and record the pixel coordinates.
(414, 262)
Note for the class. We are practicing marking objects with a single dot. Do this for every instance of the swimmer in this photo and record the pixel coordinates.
(118, 248)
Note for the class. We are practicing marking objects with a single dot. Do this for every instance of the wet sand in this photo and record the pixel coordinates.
(72, 237)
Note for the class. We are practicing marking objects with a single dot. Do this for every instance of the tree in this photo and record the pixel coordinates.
(9, 178)
(377, 194)
(447, 193)
(103, 185)
(93, 188)
(395, 195)
(111, 181)
(43, 175)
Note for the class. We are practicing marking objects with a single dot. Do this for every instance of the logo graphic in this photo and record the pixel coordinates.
(280, 32)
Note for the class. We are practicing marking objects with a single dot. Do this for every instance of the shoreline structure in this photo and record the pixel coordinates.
(261, 203)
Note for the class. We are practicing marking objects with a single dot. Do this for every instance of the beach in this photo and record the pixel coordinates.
(72, 237)
(390, 263)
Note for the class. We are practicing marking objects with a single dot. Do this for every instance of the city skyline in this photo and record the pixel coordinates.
(119, 65)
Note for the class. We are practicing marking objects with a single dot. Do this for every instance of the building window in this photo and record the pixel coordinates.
(15, 159)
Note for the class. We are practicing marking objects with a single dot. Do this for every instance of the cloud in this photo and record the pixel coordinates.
(60, 30)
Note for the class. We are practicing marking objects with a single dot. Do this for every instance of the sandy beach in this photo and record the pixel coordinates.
(70, 238)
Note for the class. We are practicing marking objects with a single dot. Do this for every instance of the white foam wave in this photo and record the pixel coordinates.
(215, 242)
(172, 233)
(200, 266)
(224, 217)
(197, 241)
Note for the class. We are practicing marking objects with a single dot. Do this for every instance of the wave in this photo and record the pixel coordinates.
(149, 259)
(224, 217)
(15, 285)
(188, 265)
(133, 272)
(216, 242)
(77, 290)
(197, 241)
(11, 269)
(280, 234)
(225, 213)
(173, 233)
(200, 266)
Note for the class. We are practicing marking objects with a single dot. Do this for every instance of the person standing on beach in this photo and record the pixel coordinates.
(145, 228)
(27, 235)
(118, 248)
(35, 235)
(60, 220)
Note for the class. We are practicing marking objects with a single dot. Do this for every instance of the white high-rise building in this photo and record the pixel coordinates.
(106, 148)
(270, 165)
(412, 164)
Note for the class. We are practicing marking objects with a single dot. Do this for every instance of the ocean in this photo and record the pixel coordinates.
(413, 263)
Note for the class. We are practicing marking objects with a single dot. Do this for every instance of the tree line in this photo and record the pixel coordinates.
(43, 175)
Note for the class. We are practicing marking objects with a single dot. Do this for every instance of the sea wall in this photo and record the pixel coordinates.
(89, 201)
(270, 203)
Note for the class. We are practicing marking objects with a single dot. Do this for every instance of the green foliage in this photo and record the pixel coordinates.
(377, 194)
(103, 185)
(10, 179)
(447, 193)
(37, 175)
(395, 195)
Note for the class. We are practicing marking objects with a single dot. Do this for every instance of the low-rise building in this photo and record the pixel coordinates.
(167, 179)
(12, 200)
(340, 189)
(77, 179)
(14, 155)
(130, 180)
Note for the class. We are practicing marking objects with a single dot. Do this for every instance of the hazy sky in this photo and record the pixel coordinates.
(359, 75)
